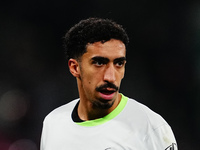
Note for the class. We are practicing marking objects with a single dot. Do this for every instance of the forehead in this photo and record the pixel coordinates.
(110, 49)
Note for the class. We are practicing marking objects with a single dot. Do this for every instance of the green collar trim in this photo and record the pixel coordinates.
(108, 117)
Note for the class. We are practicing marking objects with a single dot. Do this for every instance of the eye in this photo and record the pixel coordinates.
(120, 63)
(98, 63)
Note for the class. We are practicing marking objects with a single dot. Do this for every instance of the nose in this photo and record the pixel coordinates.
(109, 74)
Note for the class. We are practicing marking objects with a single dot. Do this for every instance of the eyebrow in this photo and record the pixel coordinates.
(106, 60)
(120, 59)
(101, 59)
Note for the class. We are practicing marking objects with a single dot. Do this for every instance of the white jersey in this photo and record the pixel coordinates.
(130, 126)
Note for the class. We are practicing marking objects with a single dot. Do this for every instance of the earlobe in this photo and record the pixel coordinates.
(74, 67)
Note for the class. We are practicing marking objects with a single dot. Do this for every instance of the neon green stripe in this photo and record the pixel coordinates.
(108, 117)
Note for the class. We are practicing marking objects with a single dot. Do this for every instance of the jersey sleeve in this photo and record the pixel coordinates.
(43, 137)
(161, 138)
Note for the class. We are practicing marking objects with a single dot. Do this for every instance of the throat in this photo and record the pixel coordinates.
(93, 112)
(95, 109)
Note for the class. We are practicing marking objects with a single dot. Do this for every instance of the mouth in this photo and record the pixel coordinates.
(107, 93)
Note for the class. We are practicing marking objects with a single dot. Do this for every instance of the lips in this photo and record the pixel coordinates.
(107, 94)
(107, 91)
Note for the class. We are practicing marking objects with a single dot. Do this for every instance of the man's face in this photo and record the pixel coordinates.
(102, 68)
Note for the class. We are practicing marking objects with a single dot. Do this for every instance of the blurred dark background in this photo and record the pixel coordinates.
(163, 69)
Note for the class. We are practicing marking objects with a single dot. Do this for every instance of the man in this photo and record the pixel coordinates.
(102, 118)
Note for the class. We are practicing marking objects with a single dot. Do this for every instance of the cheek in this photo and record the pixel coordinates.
(87, 80)
(123, 73)
(92, 82)
(120, 74)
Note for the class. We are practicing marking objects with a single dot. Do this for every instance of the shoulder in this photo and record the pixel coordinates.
(62, 111)
(145, 114)
(158, 133)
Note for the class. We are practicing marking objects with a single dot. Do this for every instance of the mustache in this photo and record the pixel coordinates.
(107, 85)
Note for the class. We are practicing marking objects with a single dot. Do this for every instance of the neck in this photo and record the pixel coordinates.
(91, 114)
(87, 110)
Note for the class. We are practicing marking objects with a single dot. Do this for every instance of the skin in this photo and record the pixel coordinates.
(102, 64)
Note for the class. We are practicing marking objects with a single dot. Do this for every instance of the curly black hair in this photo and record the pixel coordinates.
(91, 30)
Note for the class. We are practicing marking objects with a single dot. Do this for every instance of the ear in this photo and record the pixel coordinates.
(74, 67)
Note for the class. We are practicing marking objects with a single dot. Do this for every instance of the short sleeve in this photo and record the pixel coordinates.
(161, 138)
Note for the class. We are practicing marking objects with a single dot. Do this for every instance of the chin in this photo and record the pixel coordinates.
(103, 104)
